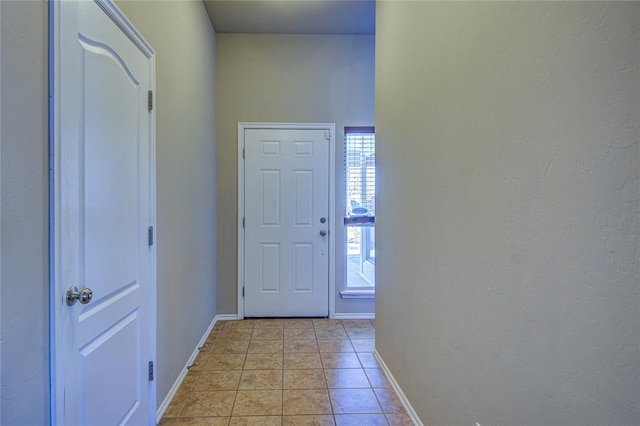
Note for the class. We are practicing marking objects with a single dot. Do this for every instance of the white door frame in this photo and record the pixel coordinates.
(329, 127)
(56, 291)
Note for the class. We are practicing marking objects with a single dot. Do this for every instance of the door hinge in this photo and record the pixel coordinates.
(242, 291)
(243, 153)
(150, 235)
(151, 371)
(243, 223)
(150, 100)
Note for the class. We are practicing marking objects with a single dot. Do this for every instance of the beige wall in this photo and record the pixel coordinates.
(24, 312)
(184, 41)
(507, 215)
(286, 78)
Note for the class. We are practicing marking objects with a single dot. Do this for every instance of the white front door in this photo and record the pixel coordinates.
(286, 215)
(102, 209)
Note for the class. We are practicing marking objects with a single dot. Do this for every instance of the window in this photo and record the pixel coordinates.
(360, 195)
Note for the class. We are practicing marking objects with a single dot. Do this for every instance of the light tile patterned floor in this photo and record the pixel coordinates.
(287, 372)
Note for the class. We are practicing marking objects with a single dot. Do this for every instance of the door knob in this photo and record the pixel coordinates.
(74, 295)
(323, 232)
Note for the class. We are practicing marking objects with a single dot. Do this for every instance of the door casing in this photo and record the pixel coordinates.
(56, 289)
(330, 128)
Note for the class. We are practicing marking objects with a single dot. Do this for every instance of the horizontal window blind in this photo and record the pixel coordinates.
(360, 171)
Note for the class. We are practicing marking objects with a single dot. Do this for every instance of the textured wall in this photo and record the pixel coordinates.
(184, 41)
(286, 78)
(24, 273)
(508, 200)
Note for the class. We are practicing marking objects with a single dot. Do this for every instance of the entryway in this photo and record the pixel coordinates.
(285, 207)
(288, 372)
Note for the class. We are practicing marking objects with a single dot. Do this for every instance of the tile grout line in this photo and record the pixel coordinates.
(333, 411)
(324, 376)
(241, 373)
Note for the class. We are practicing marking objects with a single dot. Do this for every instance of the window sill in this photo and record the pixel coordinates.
(358, 294)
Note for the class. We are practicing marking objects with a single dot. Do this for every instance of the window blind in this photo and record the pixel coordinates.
(360, 171)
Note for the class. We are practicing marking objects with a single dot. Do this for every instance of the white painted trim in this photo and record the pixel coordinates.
(358, 294)
(333, 219)
(396, 387)
(331, 127)
(153, 275)
(55, 140)
(118, 18)
(56, 405)
(240, 239)
(354, 316)
(226, 317)
(176, 385)
(54, 136)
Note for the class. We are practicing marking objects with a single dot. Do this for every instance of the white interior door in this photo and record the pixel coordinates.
(286, 212)
(103, 207)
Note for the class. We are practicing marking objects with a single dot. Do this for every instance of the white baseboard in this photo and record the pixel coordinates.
(226, 317)
(354, 316)
(396, 387)
(176, 385)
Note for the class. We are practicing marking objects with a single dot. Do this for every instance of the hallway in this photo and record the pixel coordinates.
(287, 372)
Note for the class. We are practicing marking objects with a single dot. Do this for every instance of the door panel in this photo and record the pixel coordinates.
(286, 193)
(124, 375)
(103, 208)
(303, 197)
(270, 262)
(270, 196)
(303, 266)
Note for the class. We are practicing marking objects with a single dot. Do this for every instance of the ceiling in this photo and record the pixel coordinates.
(292, 16)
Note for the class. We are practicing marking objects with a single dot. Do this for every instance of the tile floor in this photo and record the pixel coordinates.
(287, 372)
